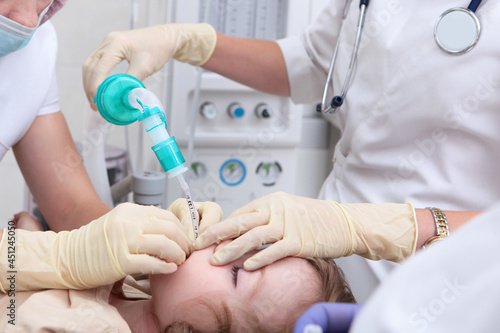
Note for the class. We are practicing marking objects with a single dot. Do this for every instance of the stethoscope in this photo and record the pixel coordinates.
(456, 32)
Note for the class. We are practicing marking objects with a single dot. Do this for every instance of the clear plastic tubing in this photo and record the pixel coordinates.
(192, 210)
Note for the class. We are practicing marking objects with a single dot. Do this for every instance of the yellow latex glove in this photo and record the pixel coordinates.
(130, 239)
(303, 227)
(147, 50)
(209, 213)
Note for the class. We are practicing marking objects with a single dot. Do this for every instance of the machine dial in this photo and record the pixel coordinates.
(198, 171)
(268, 173)
(236, 111)
(208, 110)
(232, 172)
(263, 111)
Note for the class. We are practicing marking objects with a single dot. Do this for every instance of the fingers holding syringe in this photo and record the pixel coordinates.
(210, 214)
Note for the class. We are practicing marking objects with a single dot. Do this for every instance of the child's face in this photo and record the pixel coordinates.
(270, 293)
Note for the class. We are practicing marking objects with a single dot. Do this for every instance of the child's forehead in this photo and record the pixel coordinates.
(284, 282)
(286, 287)
(293, 267)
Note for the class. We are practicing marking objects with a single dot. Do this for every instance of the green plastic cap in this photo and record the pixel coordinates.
(112, 99)
(169, 154)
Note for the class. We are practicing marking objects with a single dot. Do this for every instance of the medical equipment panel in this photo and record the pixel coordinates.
(245, 143)
(261, 19)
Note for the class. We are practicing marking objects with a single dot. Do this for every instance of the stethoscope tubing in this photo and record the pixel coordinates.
(361, 22)
(325, 109)
(338, 100)
(473, 5)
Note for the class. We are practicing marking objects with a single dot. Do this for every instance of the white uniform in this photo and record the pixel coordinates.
(451, 287)
(418, 125)
(28, 86)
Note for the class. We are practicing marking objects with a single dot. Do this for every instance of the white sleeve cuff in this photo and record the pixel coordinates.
(306, 79)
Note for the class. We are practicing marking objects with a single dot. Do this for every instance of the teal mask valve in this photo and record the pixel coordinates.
(112, 99)
(122, 99)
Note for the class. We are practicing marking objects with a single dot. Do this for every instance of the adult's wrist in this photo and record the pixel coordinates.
(426, 226)
(441, 223)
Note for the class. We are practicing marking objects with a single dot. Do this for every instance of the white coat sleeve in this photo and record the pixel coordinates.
(308, 55)
(453, 286)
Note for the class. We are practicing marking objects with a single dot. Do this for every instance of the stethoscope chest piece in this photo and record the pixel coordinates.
(457, 30)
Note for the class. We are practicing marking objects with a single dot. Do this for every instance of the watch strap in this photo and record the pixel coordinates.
(442, 229)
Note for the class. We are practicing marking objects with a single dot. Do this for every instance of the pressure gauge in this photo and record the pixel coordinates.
(268, 173)
(232, 172)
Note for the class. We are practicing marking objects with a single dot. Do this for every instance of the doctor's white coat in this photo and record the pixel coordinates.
(418, 125)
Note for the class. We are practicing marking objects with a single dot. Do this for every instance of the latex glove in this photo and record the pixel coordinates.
(147, 50)
(305, 227)
(209, 213)
(327, 317)
(130, 239)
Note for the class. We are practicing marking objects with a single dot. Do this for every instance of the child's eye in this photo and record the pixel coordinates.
(235, 275)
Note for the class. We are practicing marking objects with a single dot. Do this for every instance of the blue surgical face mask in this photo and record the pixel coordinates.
(15, 36)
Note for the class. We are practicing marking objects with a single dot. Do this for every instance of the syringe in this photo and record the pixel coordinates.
(122, 100)
(166, 150)
(192, 209)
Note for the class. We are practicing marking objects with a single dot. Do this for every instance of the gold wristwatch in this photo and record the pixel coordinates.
(441, 226)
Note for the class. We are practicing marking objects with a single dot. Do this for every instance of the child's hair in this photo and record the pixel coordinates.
(334, 288)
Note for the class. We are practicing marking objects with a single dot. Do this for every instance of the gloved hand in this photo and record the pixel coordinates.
(130, 239)
(304, 227)
(147, 50)
(327, 317)
(209, 213)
